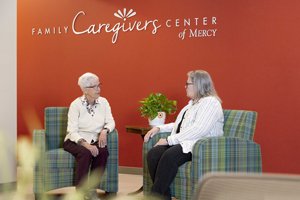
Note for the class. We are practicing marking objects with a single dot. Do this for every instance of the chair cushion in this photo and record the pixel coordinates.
(59, 158)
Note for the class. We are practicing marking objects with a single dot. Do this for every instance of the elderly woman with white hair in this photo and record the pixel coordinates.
(89, 121)
(202, 117)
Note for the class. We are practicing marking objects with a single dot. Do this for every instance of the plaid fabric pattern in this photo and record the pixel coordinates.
(110, 178)
(224, 154)
(55, 167)
(39, 144)
(62, 159)
(181, 186)
(234, 152)
(239, 123)
(56, 121)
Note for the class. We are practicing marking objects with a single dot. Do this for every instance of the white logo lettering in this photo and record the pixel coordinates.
(120, 26)
(193, 27)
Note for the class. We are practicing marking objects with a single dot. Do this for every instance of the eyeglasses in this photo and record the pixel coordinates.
(187, 84)
(95, 86)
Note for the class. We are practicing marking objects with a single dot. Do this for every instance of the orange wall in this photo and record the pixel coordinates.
(253, 60)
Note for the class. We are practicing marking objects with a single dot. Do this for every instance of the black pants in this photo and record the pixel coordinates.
(85, 160)
(163, 164)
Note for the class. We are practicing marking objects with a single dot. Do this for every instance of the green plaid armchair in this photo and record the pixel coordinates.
(234, 152)
(54, 168)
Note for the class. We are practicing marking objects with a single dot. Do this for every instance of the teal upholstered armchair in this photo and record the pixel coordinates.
(234, 152)
(55, 167)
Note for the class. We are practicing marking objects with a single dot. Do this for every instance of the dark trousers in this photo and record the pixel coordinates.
(163, 164)
(86, 161)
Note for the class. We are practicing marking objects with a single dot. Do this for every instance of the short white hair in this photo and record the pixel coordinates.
(86, 79)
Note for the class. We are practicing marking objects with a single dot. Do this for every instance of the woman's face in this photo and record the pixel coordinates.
(189, 86)
(93, 92)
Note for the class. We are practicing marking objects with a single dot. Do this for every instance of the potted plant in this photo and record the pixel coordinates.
(155, 107)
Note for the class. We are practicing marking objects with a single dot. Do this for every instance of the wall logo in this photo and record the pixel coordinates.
(124, 15)
(195, 27)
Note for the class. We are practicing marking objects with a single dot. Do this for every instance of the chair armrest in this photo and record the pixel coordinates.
(113, 141)
(109, 180)
(39, 145)
(225, 154)
(152, 141)
(39, 141)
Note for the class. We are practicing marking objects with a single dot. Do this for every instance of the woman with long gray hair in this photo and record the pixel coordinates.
(201, 118)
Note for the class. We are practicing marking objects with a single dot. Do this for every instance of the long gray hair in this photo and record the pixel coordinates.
(203, 84)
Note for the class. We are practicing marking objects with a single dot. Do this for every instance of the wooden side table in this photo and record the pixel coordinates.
(141, 130)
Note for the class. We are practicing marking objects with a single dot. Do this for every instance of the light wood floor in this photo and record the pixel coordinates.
(127, 183)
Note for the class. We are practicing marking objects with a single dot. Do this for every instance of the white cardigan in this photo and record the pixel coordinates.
(82, 124)
(201, 120)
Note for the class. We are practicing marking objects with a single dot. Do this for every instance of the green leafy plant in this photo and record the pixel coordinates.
(157, 103)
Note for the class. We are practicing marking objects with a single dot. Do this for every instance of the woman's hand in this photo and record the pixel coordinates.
(92, 148)
(151, 133)
(161, 141)
(102, 140)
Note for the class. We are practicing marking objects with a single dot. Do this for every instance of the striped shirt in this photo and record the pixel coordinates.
(203, 119)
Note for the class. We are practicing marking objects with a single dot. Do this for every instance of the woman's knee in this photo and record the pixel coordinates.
(151, 155)
(155, 154)
(84, 153)
(175, 156)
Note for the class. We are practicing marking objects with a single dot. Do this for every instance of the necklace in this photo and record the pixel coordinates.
(90, 107)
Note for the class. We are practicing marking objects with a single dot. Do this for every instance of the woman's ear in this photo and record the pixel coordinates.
(84, 91)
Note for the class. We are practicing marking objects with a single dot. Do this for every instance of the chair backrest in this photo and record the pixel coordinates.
(239, 123)
(56, 120)
(237, 186)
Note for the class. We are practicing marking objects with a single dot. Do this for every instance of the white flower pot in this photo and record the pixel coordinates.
(158, 120)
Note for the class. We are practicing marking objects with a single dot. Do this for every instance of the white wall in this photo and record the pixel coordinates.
(8, 90)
